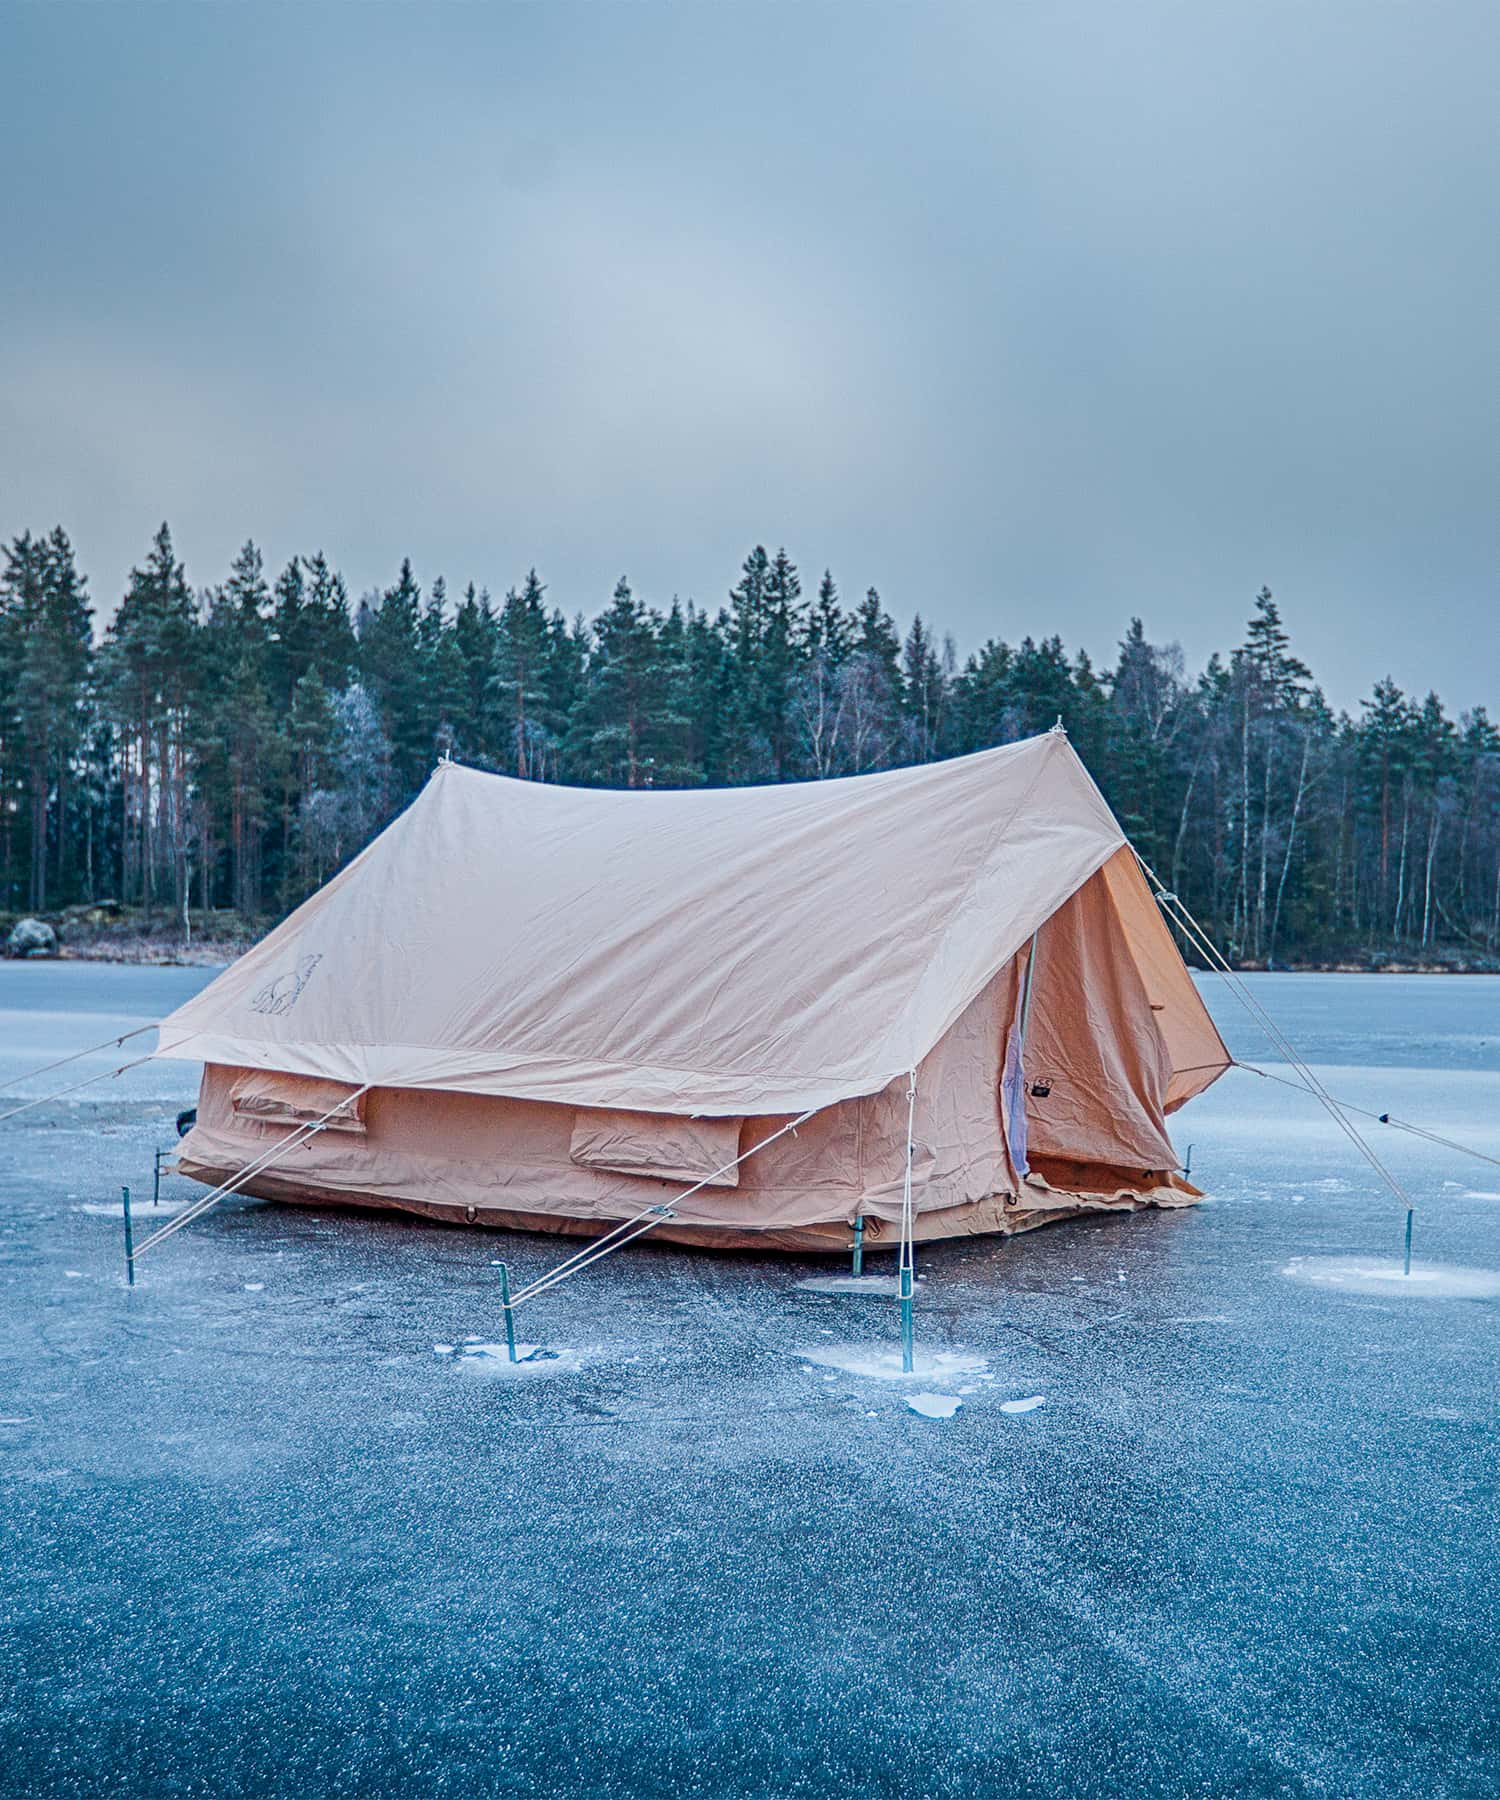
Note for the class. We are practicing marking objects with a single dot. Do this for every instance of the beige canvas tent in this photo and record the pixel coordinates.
(549, 1007)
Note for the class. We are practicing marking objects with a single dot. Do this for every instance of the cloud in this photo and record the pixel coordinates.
(1036, 318)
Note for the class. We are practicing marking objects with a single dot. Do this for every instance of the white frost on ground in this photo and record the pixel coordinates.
(1023, 1406)
(1367, 1275)
(934, 1406)
(883, 1286)
(884, 1363)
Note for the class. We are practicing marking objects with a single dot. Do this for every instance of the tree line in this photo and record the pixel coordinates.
(232, 747)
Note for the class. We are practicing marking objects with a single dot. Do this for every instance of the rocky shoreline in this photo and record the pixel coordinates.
(109, 933)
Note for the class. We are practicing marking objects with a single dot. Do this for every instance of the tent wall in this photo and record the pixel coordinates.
(457, 1152)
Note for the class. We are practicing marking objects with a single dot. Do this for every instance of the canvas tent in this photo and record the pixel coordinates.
(553, 1006)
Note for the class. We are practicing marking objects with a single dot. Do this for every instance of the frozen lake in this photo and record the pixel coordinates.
(1215, 1514)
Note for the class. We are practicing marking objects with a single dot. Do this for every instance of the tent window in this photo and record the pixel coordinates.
(293, 1100)
(657, 1144)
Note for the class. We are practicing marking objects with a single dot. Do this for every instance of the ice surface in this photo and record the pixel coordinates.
(1366, 1275)
(52, 1010)
(1023, 1406)
(883, 1362)
(439, 1575)
(934, 1406)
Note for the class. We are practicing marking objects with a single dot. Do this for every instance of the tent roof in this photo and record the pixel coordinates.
(732, 951)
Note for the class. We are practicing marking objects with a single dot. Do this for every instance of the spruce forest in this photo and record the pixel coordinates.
(231, 748)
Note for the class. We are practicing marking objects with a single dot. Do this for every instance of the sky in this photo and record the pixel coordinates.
(1034, 316)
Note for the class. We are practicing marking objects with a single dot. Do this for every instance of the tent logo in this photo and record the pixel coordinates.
(282, 993)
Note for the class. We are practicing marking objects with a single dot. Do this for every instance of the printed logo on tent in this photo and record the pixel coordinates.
(282, 993)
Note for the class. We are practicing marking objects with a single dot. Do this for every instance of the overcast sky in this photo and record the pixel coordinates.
(1033, 315)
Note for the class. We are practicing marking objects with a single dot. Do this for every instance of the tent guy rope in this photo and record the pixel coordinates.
(303, 1134)
(628, 1230)
(62, 1093)
(1384, 1118)
(111, 1043)
(1177, 911)
(105, 1075)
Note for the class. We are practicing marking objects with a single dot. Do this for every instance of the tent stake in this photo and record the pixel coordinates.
(859, 1244)
(1407, 1269)
(129, 1240)
(510, 1318)
(156, 1180)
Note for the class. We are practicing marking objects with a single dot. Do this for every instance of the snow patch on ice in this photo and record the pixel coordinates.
(141, 1210)
(531, 1359)
(883, 1285)
(1367, 1275)
(1023, 1406)
(1478, 1193)
(934, 1406)
(884, 1364)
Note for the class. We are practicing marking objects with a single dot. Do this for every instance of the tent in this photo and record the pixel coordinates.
(547, 1007)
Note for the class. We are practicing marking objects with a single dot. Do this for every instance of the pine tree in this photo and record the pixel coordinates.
(827, 630)
(923, 694)
(870, 691)
(1385, 747)
(444, 694)
(151, 673)
(314, 727)
(394, 676)
(476, 638)
(309, 628)
(818, 687)
(745, 748)
(625, 732)
(520, 681)
(1147, 708)
(775, 669)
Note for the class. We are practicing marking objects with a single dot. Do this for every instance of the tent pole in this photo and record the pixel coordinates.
(510, 1317)
(908, 1324)
(907, 1282)
(1026, 985)
(1407, 1269)
(129, 1241)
